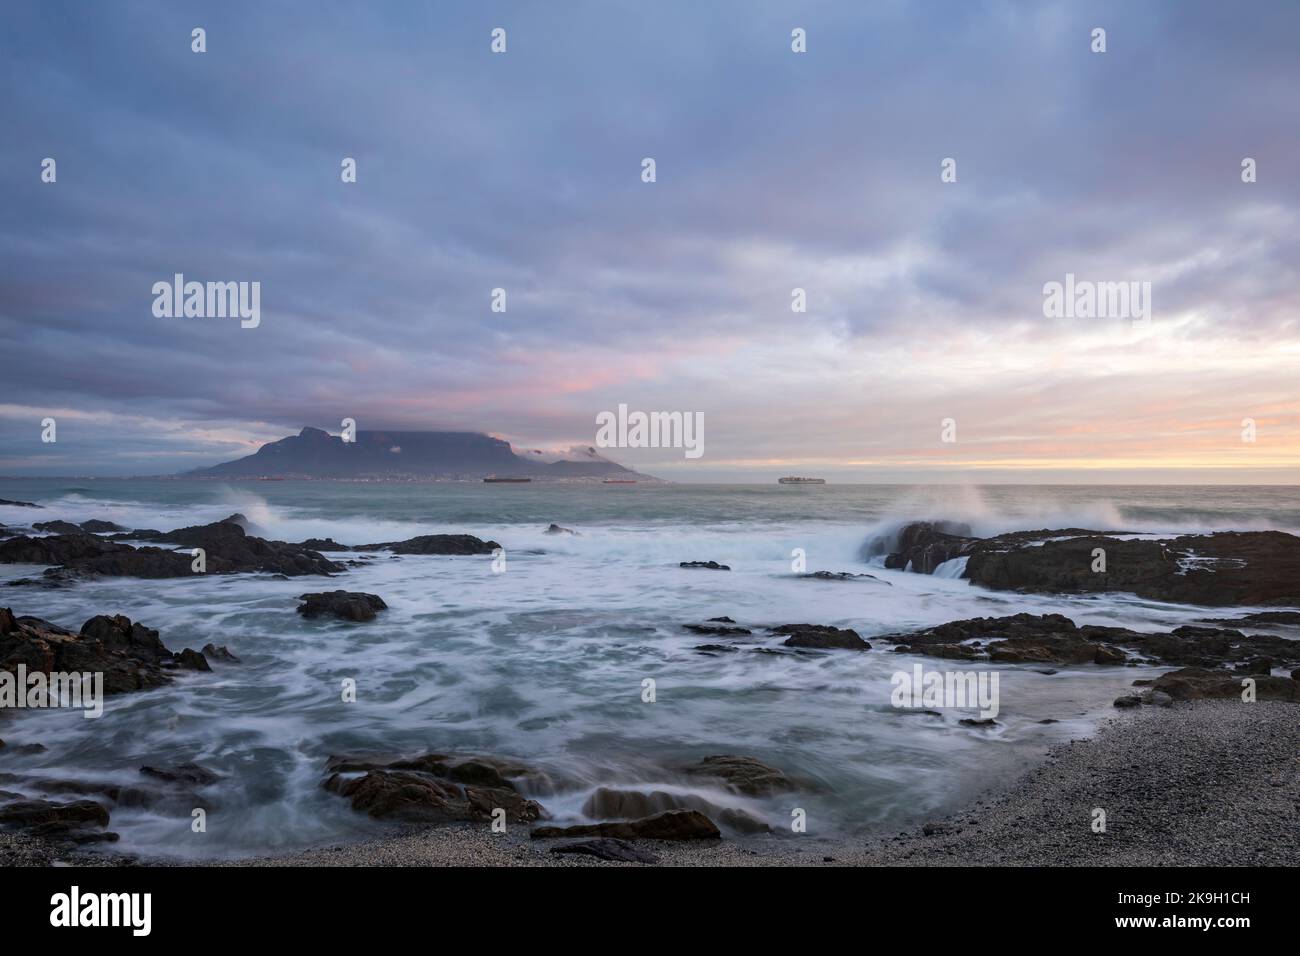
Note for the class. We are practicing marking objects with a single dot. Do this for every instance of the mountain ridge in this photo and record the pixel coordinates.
(382, 453)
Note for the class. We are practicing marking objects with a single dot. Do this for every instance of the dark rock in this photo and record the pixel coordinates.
(715, 648)
(1262, 618)
(669, 825)
(608, 803)
(420, 797)
(556, 529)
(821, 636)
(924, 545)
(719, 629)
(323, 544)
(1160, 699)
(192, 660)
(746, 775)
(57, 527)
(346, 605)
(22, 750)
(19, 504)
(129, 655)
(710, 565)
(721, 620)
(190, 773)
(1196, 683)
(1131, 700)
(838, 576)
(607, 848)
(98, 526)
(31, 813)
(978, 722)
(453, 544)
(214, 653)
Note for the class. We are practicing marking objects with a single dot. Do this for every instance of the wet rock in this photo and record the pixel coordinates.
(839, 576)
(669, 825)
(1160, 699)
(1231, 567)
(189, 773)
(1055, 639)
(1259, 618)
(19, 504)
(22, 750)
(978, 722)
(608, 803)
(192, 660)
(721, 630)
(715, 648)
(214, 653)
(345, 605)
(746, 775)
(1196, 683)
(821, 636)
(709, 565)
(556, 529)
(57, 527)
(99, 526)
(420, 797)
(607, 848)
(1131, 700)
(228, 549)
(924, 545)
(448, 544)
(33, 813)
(128, 654)
(323, 544)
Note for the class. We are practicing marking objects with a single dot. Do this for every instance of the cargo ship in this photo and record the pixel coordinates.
(795, 480)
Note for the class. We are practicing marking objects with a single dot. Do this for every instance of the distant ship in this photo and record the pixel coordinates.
(619, 481)
(493, 480)
(795, 480)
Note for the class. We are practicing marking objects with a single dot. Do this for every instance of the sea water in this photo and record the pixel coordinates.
(546, 662)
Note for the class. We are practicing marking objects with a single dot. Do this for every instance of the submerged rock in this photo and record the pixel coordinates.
(452, 544)
(346, 605)
(189, 773)
(747, 775)
(610, 803)
(709, 565)
(821, 636)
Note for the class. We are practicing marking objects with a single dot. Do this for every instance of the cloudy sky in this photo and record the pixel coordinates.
(775, 170)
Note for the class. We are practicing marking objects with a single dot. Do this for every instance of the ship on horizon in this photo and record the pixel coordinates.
(796, 480)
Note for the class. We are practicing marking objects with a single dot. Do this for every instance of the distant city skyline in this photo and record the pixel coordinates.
(775, 171)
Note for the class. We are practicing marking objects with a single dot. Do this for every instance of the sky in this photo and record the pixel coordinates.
(774, 170)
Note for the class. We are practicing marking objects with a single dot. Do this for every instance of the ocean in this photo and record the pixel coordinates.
(546, 661)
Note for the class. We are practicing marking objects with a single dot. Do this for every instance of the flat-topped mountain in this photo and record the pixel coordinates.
(314, 453)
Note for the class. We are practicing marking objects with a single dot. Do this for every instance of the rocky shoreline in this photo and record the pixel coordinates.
(1224, 673)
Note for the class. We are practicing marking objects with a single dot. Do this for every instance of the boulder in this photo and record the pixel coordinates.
(556, 529)
(345, 605)
(450, 544)
(129, 655)
(1197, 683)
(747, 775)
(822, 637)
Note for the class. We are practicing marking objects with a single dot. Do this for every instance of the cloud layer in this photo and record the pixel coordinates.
(775, 171)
